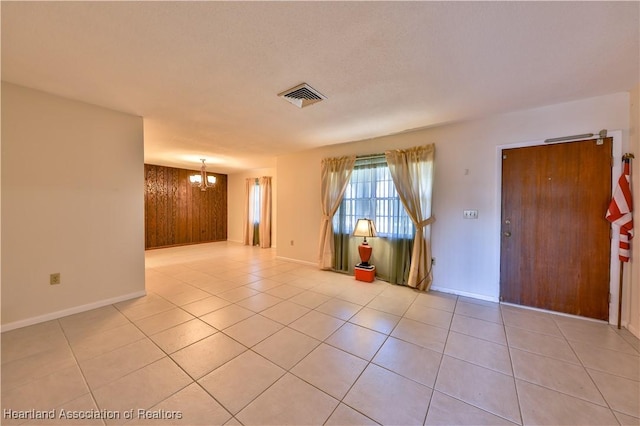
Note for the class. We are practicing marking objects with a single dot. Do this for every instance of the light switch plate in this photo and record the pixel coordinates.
(470, 214)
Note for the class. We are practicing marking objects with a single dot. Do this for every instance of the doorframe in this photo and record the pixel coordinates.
(614, 271)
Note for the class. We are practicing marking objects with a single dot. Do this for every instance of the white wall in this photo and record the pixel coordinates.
(467, 251)
(235, 202)
(632, 286)
(72, 202)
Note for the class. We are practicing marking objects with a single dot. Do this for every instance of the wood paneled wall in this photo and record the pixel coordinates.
(177, 213)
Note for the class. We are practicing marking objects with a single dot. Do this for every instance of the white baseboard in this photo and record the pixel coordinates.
(633, 330)
(302, 262)
(69, 311)
(465, 293)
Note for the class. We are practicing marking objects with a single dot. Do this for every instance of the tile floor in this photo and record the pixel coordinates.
(231, 335)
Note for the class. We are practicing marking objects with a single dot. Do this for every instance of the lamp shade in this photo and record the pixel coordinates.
(365, 228)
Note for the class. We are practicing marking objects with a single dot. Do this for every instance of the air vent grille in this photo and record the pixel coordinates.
(302, 95)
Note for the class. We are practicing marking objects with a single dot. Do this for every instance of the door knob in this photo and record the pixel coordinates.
(507, 234)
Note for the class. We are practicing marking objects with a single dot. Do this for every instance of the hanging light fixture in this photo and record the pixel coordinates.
(202, 181)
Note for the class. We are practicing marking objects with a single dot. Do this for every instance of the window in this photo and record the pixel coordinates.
(257, 212)
(371, 194)
(256, 201)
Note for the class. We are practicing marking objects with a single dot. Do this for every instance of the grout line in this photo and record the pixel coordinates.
(93, 398)
(202, 259)
(444, 348)
(167, 355)
(513, 369)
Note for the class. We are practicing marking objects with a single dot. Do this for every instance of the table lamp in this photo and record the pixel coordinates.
(364, 228)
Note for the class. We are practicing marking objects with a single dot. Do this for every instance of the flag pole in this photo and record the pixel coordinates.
(620, 295)
(626, 158)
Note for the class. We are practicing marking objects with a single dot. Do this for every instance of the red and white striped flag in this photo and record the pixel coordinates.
(620, 212)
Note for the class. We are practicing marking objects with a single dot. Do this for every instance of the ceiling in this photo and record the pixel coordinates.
(205, 75)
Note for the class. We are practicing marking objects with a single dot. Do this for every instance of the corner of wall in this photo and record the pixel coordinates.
(633, 283)
(84, 220)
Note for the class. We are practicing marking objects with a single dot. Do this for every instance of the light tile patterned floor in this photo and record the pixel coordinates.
(231, 335)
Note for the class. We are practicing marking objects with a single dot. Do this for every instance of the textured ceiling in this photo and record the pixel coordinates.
(205, 75)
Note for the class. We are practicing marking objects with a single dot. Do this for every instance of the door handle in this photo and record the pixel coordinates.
(506, 233)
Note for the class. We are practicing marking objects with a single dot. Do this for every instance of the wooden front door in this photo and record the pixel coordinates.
(555, 244)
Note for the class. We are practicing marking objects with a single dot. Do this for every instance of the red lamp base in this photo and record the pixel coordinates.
(365, 253)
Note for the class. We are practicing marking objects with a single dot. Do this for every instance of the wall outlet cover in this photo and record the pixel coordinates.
(54, 279)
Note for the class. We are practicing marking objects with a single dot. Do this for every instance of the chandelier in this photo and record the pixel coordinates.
(202, 181)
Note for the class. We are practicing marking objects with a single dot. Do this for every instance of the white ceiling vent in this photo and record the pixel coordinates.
(302, 95)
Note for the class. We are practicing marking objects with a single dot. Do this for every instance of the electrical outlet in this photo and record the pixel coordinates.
(470, 214)
(54, 279)
(433, 261)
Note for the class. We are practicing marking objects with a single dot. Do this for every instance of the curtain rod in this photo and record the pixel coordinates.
(365, 157)
(601, 135)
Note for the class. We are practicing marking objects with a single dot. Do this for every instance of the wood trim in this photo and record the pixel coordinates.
(178, 214)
